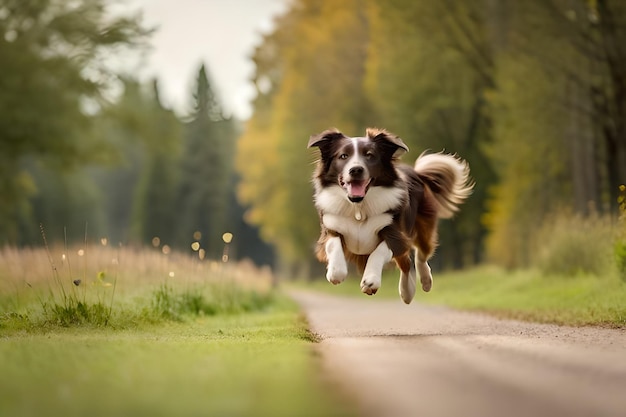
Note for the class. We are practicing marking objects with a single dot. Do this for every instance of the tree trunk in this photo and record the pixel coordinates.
(614, 44)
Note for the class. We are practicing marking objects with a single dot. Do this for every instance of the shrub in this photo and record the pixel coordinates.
(211, 299)
(572, 244)
(75, 312)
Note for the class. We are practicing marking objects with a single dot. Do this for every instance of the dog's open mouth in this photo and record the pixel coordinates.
(356, 189)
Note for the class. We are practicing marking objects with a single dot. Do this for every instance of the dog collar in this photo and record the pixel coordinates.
(357, 212)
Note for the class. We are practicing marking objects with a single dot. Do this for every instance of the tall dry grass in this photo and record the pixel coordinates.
(90, 284)
(132, 267)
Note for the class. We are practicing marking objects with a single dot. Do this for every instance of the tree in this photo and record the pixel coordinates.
(531, 93)
(50, 70)
(607, 24)
(429, 67)
(559, 137)
(206, 171)
(124, 126)
(352, 65)
(154, 207)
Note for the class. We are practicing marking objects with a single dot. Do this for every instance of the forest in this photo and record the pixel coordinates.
(531, 93)
(87, 153)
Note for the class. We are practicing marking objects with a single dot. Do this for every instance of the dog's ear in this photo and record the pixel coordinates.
(388, 138)
(325, 141)
(324, 138)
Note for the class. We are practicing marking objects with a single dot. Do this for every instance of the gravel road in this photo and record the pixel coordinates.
(396, 360)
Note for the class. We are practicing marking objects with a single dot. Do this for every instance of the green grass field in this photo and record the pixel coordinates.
(257, 364)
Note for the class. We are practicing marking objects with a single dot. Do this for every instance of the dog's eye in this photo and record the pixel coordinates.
(369, 155)
(343, 156)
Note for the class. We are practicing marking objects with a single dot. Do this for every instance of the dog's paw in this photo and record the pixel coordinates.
(406, 286)
(425, 277)
(370, 284)
(336, 274)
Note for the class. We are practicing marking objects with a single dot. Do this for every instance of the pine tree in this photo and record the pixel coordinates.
(154, 208)
(206, 171)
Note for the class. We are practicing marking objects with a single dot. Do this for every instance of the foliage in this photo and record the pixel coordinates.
(206, 301)
(299, 96)
(75, 313)
(572, 244)
(155, 204)
(552, 147)
(353, 65)
(527, 154)
(206, 171)
(441, 107)
(530, 93)
(84, 149)
(67, 201)
(51, 74)
(153, 181)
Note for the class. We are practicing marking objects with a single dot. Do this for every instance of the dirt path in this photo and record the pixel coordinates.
(398, 360)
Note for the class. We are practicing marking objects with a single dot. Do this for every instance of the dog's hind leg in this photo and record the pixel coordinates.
(425, 242)
(423, 268)
(337, 268)
(406, 286)
(374, 269)
(423, 252)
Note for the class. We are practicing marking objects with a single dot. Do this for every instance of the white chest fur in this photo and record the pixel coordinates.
(359, 223)
(361, 236)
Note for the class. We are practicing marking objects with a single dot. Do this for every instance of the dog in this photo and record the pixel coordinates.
(373, 209)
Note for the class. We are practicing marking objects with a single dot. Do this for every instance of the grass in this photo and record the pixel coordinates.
(526, 295)
(577, 300)
(257, 364)
(177, 337)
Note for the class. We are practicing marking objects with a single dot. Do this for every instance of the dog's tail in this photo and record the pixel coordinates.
(448, 178)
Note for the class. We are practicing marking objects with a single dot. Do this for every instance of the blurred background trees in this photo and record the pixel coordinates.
(83, 160)
(532, 93)
(206, 169)
(50, 77)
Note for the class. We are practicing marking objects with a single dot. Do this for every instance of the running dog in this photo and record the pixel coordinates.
(373, 208)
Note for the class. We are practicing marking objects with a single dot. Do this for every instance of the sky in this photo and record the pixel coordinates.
(219, 33)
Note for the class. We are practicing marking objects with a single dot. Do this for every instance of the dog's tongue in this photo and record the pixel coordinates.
(356, 188)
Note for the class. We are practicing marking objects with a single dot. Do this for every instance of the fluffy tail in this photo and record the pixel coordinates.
(448, 178)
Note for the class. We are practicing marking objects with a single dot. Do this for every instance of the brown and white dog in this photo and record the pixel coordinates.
(373, 209)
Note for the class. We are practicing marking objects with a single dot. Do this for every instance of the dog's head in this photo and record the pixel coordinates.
(357, 164)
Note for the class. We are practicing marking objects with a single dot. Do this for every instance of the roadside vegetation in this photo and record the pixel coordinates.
(97, 330)
(529, 295)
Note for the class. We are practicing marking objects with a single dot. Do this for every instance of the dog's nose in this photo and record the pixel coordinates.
(356, 171)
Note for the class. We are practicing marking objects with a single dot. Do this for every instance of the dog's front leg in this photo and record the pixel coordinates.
(374, 269)
(337, 268)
